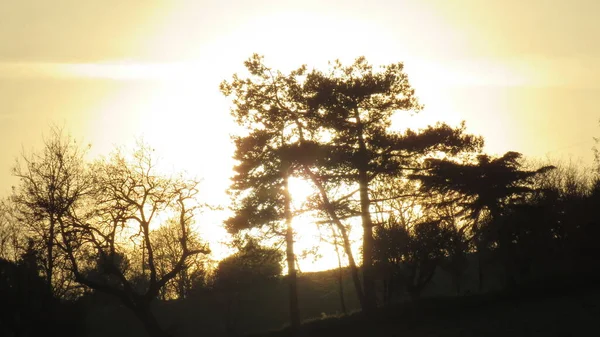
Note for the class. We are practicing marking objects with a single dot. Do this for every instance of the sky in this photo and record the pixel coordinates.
(523, 74)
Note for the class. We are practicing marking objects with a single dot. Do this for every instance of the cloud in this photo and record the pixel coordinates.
(75, 31)
(114, 71)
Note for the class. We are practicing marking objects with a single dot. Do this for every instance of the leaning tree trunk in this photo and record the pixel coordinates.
(353, 267)
(291, 258)
(330, 209)
(340, 273)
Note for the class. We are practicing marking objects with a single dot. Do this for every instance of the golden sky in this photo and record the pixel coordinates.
(524, 74)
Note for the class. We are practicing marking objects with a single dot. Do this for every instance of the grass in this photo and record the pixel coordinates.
(564, 307)
(551, 310)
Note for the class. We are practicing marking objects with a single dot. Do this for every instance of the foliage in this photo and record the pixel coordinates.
(428, 201)
(493, 182)
(332, 128)
(28, 308)
(411, 253)
(267, 104)
(253, 264)
(252, 267)
(488, 184)
(355, 105)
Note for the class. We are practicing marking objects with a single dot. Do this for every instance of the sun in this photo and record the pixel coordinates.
(314, 242)
(177, 108)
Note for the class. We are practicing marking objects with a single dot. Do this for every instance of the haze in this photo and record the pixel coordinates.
(522, 74)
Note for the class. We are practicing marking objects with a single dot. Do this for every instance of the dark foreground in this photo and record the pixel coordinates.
(549, 312)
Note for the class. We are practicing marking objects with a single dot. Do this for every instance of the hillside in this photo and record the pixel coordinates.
(548, 312)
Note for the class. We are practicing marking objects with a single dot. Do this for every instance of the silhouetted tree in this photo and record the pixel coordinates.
(167, 250)
(337, 128)
(550, 224)
(50, 182)
(459, 236)
(28, 308)
(265, 104)
(334, 239)
(25, 299)
(409, 204)
(491, 184)
(354, 106)
(251, 266)
(12, 237)
(340, 274)
(411, 250)
(98, 221)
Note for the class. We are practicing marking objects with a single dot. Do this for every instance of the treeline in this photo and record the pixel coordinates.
(425, 201)
(534, 226)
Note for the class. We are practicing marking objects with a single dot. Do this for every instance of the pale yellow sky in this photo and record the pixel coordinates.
(524, 74)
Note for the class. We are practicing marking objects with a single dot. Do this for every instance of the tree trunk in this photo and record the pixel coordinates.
(181, 284)
(353, 269)
(230, 315)
(480, 270)
(145, 315)
(340, 273)
(341, 290)
(388, 286)
(368, 242)
(504, 245)
(365, 204)
(386, 292)
(290, 257)
(345, 240)
(457, 284)
(50, 253)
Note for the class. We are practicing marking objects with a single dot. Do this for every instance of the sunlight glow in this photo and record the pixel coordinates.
(176, 106)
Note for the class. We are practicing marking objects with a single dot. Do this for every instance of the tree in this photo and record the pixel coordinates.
(336, 211)
(459, 236)
(554, 227)
(354, 106)
(491, 184)
(12, 237)
(167, 250)
(409, 245)
(336, 127)
(264, 104)
(50, 183)
(251, 266)
(28, 308)
(101, 221)
(329, 234)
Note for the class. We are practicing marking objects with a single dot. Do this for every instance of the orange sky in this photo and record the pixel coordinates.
(524, 74)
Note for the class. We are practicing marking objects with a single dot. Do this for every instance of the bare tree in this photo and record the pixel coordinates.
(50, 183)
(12, 238)
(130, 198)
(167, 251)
